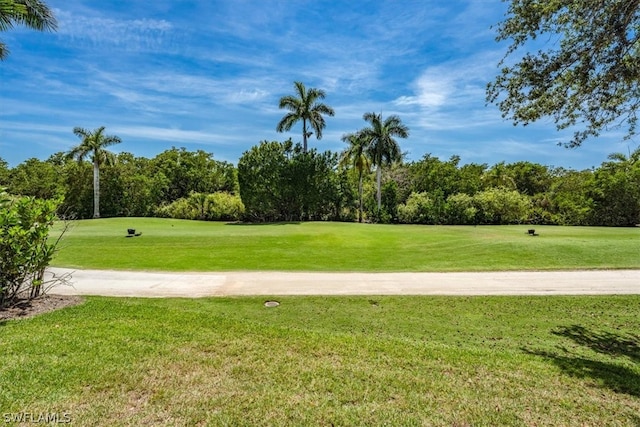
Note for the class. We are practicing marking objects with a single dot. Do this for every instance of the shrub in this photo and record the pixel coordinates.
(460, 209)
(25, 251)
(419, 209)
(502, 206)
(218, 206)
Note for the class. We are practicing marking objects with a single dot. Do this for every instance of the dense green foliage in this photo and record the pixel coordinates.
(344, 361)
(278, 181)
(588, 73)
(25, 250)
(218, 206)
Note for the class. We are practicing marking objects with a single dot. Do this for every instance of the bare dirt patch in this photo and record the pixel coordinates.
(40, 305)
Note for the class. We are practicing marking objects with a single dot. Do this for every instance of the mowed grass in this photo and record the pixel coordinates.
(406, 361)
(178, 245)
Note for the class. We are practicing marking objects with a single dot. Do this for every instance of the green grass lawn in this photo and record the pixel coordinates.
(437, 361)
(177, 245)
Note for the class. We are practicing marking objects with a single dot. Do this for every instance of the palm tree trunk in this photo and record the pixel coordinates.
(96, 190)
(360, 198)
(378, 181)
(304, 135)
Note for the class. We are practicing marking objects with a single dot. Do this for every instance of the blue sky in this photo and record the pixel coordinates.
(206, 74)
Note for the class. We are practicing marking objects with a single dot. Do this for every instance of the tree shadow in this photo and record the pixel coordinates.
(609, 371)
(264, 223)
(603, 342)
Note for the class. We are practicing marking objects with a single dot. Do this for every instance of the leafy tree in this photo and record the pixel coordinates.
(529, 178)
(589, 75)
(356, 155)
(430, 174)
(280, 182)
(470, 178)
(502, 206)
(180, 172)
(616, 191)
(132, 188)
(4, 172)
(498, 176)
(260, 172)
(304, 106)
(383, 148)
(37, 179)
(78, 192)
(389, 198)
(34, 14)
(309, 190)
(570, 202)
(93, 144)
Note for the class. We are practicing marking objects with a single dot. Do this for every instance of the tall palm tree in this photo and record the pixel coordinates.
(304, 106)
(383, 148)
(34, 14)
(356, 155)
(93, 144)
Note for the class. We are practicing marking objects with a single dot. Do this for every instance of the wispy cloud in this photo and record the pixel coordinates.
(136, 34)
(210, 73)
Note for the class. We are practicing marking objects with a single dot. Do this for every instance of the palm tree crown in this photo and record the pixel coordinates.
(93, 144)
(383, 148)
(304, 106)
(34, 14)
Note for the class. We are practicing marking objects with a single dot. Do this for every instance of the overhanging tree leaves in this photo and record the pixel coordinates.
(34, 14)
(587, 77)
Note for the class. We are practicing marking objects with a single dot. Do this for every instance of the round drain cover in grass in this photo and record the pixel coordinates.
(271, 304)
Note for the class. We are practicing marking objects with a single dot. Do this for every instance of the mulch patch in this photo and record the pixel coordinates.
(40, 305)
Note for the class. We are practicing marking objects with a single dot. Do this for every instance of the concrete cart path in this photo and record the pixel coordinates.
(160, 284)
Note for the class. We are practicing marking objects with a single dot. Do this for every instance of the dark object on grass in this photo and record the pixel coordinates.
(131, 232)
(532, 232)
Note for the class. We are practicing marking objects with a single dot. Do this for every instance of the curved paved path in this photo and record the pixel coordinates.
(157, 284)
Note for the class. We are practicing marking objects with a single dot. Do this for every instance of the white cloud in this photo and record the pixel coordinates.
(171, 135)
(137, 34)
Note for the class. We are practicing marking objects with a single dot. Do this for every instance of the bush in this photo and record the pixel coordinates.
(502, 206)
(419, 209)
(25, 251)
(218, 206)
(460, 209)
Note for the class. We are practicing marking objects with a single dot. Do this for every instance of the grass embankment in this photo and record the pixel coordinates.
(441, 361)
(176, 245)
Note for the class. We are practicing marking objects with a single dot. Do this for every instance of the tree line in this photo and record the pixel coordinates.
(279, 181)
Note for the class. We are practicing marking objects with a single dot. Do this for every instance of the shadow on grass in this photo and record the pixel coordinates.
(265, 223)
(608, 371)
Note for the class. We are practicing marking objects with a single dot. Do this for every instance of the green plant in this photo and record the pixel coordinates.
(218, 206)
(419, 209)
(25, 251)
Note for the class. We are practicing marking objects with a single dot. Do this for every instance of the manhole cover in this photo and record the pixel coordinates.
(271, 304)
